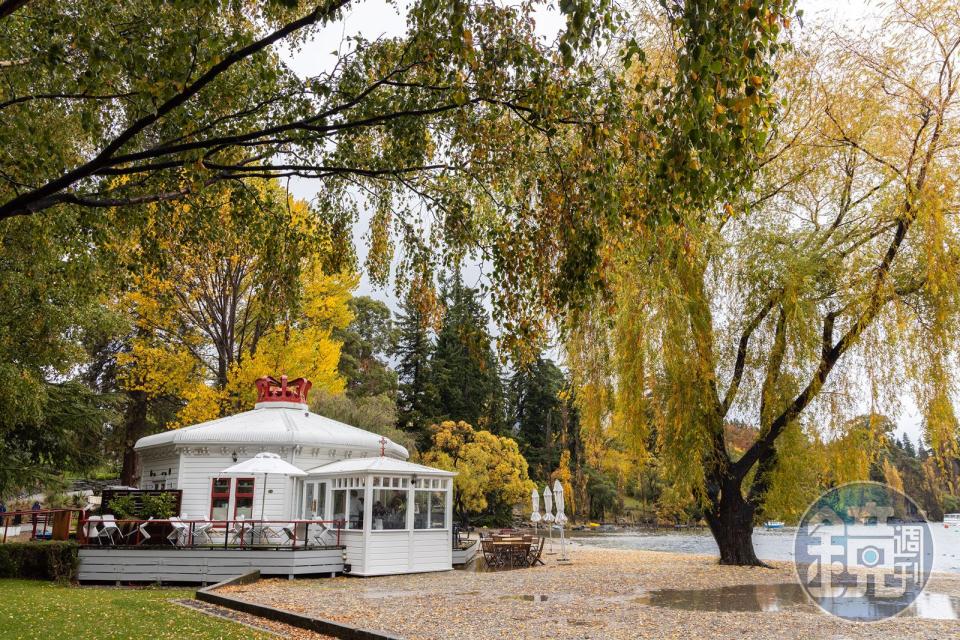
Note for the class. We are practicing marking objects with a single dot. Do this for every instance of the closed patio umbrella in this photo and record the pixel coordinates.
(561, 517)
(265, 463)
(535, 514)
(547, 505)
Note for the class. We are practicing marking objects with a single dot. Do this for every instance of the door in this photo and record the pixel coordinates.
(314, 500)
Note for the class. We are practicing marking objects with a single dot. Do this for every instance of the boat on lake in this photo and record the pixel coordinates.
(773, 524)
(951, 521)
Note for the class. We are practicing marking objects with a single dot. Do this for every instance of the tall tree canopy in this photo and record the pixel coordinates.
(368, 343)
(111, 103)
(464, 352)
(214, 306)
(535, 413)
(829, 278)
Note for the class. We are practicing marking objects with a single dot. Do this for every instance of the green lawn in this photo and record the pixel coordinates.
(33, 609)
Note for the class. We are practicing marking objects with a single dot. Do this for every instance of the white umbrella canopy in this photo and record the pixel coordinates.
(558, 496)
(535, 498)
(548, 505)
(265, 463)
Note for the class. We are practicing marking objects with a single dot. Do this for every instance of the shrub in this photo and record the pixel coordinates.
(157, 506)
(123, 507)
(39, 560)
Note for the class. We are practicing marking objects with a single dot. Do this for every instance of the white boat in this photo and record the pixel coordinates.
(951, 521)
(773, 524)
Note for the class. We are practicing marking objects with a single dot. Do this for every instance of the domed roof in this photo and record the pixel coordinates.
(276, 424)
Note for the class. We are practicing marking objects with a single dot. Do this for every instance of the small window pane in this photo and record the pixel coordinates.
(389, 509)
(438, 509)
(356, 509)
(339, 504)
(218, 510)
(421, 510)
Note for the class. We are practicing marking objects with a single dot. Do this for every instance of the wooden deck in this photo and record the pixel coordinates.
(202, 565)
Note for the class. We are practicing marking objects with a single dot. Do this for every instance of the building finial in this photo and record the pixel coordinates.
(269, 389)
(383, 446)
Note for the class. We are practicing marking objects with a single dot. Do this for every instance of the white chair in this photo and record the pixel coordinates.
(323, 534)
(142, 529)
(239, 530)
(201, 530)
(111, 529)
(93, 529)
(177, 537)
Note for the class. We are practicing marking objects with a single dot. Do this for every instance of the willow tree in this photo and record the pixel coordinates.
(826, 285)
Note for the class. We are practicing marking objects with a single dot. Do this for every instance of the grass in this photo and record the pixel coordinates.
(33, 609)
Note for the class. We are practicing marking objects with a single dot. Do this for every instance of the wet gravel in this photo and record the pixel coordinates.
(602, 593)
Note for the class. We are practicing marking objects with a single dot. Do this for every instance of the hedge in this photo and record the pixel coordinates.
(40, 560)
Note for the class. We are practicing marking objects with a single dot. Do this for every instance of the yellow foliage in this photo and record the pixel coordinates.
(202, 403)
(491, 470)
(224, 306)
(156, 370)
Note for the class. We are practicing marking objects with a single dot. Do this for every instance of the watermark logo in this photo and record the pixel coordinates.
(863, 551)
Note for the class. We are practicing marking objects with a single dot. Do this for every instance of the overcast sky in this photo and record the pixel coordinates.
(375, 18)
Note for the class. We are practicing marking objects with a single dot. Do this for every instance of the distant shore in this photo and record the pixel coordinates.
(602, 593)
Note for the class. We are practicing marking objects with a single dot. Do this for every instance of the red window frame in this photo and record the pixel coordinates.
(237, 495)
(215, 495)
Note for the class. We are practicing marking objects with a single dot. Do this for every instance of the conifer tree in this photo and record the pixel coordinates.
(416, 395)
(464, 365)
(534, 412)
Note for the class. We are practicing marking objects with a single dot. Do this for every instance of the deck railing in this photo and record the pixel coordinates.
(241, 533)
(42, 523)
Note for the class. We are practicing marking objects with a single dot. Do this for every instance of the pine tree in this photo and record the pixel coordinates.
(908, 446)
(416, 396)
(464, 365)
(535, 414)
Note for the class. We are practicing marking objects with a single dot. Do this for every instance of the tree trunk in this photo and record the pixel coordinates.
(731, 523)
(135, 426)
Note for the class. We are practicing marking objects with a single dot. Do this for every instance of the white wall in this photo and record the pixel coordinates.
(164, 468)
(388, 552)
(196, 478)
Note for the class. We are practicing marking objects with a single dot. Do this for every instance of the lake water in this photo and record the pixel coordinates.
(776, 544)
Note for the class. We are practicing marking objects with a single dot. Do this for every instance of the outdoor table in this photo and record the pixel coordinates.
(513, 553)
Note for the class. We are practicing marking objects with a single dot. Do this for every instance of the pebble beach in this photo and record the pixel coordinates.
(601, 593)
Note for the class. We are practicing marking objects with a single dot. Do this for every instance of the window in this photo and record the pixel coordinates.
(339, 504)
(430, 510)
(220, 499)
(243, 498)
(355, 521)
(310, 510)
(389, 509)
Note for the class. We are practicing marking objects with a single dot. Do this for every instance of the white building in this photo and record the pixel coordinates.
(406, 529)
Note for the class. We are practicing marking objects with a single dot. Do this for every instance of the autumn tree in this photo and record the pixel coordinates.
(492, 474)
(172, 97)
(827, 280)
(214, 307)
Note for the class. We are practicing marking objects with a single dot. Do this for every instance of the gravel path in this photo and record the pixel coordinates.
(599, 595)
